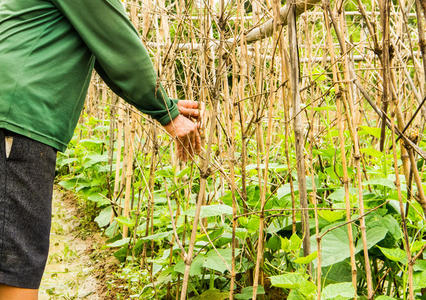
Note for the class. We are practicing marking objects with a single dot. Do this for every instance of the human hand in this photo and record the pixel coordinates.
(187, 137)
(189, 108)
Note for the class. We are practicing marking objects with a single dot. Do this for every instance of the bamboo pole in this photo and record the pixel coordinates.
(343, 156)
(406, 239)
(129, 132)
(266, 29)
(298, 127)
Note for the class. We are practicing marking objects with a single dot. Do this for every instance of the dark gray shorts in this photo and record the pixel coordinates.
(26, 183)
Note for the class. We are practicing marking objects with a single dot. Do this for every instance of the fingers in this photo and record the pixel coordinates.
(189, 112)
(189, 108)
(187, 137)
(188, 104)
(189, 146)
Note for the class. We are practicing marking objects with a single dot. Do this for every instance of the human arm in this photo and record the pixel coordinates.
(121, 59)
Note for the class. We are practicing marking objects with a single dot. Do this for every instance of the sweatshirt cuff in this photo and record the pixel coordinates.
(172, 113)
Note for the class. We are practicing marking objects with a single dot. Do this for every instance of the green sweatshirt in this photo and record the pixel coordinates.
(48, 49)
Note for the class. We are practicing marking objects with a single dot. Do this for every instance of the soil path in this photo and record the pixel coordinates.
(70, 272)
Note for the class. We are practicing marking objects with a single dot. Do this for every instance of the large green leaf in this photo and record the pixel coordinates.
(374, 235)
(334, 246)
(296, 281)
(93, 159)
(158, 236)
(419, 280)
(306, 259)
(296, 295)
(343, 290)
(125, 221)
(392, 225)
(288, 281)
(220, 259)
(394, 254)
(340, 272)
(119, 243)
(247, 292)
(211, 211)
(212, 294)
(380, 181)
(339, 194)
(331, 216)
(104, 217)
(196, 266)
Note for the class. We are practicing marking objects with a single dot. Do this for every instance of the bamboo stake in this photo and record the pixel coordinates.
(354, 135)
(118, 158)
(129, 133)
(343, 158)
(266, 29)
(401, 208)
(298, 127)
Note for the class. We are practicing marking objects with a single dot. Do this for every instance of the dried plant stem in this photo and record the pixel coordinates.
(401, 208)
(340, 31)
(129, 132)
(266, 29)
(118, 158)
(343, 157)
(298, 127)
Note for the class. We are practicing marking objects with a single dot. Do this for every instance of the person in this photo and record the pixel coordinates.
(48, 50)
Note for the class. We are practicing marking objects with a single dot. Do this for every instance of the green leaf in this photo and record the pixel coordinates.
(374, 131)
(158, 236)
(374, 235)
(339, 272)
(295, 281)
(334, 246)
(285, 243)
(212, 294)
(372, 152)
(104, 217)
(68, 184)
(339, 194)
(94, 159)
(417, 245)
(119, 243)
(283, 191)
(196, 266)
(331, 216)
(66, 161)
(392, 225)
(419, 280)
(394, 254)
(324, 108)
(211, 211)
(343, 290)
(380, 181)
(295, 295)
(384, 298)
(295, 242)
(307, 259)
(215, 262)
(125, 221)
(287, 281)
(420, 265)
(99, 199)
(247, 292)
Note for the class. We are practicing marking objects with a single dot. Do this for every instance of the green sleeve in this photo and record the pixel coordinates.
(121, 59)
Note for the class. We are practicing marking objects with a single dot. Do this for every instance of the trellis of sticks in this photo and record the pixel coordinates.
(261, 69)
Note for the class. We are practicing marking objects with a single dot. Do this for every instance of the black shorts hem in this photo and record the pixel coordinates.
(6, 279)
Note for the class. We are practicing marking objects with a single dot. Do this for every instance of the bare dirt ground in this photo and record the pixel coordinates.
(74, 270)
